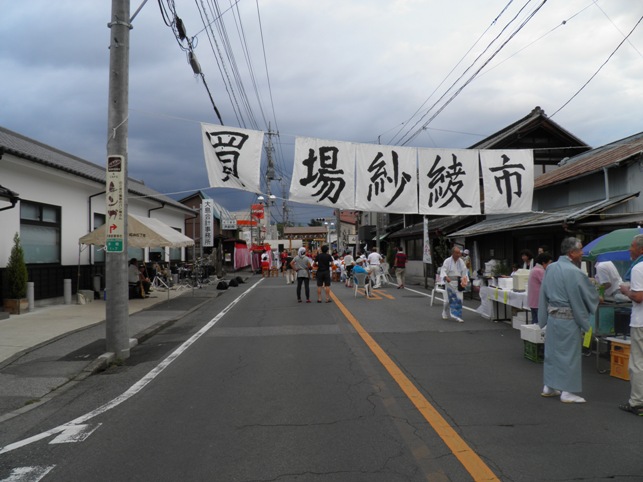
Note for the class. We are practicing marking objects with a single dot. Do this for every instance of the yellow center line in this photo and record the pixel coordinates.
(470, 460)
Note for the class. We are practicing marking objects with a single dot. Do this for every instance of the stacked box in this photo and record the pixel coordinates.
(519, 318)
(619, 360)
(532, 333)
(534, 351)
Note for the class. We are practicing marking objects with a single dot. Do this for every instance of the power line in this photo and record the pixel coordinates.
(599, 69)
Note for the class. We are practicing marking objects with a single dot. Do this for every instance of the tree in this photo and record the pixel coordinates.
(16, 271)
(316, 222)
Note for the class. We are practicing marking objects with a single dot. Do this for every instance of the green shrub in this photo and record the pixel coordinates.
(16, 271)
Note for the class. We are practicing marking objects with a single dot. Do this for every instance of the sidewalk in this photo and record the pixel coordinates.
(43, 350)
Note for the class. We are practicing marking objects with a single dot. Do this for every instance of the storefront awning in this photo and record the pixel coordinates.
(442, 223)
(570, 214)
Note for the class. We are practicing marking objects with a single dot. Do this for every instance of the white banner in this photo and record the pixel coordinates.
(387, 179)
(324, 173)
(232, 156)
(207, 231)
(426, 252)
(449, 181)
(508, 179)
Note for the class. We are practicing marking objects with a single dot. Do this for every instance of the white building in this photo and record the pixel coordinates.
(61, 198)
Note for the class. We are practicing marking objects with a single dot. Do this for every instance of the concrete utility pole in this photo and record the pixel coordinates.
(117, 310)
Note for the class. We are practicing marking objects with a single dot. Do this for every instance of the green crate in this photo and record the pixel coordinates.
(534, 351)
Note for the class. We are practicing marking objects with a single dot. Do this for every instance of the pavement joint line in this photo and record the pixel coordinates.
(469, 459)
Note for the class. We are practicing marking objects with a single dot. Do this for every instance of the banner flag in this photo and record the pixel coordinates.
(232, 156)
(508, 179)
(324, 173)
(387, 179)
(449, 181)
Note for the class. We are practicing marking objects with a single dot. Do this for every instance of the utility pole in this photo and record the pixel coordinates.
(338, 229)
(116, 310)
(270, 176)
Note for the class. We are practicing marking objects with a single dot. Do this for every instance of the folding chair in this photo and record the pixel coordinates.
(440, 287)
(361, 279)
(385, 274)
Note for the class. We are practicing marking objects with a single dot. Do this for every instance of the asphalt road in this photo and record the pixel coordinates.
(263, 388)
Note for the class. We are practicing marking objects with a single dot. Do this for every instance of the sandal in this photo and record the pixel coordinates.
(328, 301)
(626, 407)
(318, 301)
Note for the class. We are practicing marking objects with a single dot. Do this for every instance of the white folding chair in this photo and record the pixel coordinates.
(385, 274)
(439, 287)
(361, 280)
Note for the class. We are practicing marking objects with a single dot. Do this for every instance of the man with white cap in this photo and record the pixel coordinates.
(302, 264)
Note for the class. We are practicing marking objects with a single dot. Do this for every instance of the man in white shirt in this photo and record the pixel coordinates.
(634, 291)
(608, 277)
(374, 261)
(454, 270)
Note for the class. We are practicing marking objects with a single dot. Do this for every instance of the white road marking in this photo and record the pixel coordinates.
(134, 389)
(75, 433)
(28, 474)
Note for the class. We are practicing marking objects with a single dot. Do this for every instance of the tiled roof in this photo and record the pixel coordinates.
(535, 118)
(34, 151)
(594, 160)
(569, 214)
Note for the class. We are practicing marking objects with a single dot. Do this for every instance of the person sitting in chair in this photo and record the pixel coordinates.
(136, 278)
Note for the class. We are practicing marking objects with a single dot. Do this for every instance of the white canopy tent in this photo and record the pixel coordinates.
(143, 233)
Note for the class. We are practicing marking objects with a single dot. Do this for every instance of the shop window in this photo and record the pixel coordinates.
(40, 232)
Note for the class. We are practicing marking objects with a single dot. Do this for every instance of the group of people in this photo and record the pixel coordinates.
(301, 266)
(563, 299)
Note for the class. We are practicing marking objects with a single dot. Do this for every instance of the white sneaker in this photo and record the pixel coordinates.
(458, 319)
(549, 392)
(567, 397)
(445, 317)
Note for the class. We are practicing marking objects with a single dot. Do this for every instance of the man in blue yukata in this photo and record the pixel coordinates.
(568, 301)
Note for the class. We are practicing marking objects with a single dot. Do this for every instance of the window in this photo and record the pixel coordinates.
(99, 251)
(40, 232)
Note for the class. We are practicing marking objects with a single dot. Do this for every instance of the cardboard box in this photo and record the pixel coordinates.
(532, 333)
(505, 283)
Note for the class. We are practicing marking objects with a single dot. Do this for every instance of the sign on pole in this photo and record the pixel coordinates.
(114, 195)
(207, 233)
(426, 257)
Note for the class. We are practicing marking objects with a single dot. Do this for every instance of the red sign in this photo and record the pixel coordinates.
(257, 211)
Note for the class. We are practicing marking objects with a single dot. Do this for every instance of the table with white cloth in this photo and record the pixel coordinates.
(496, 303)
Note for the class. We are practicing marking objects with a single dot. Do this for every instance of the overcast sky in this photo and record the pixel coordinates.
(360, 71)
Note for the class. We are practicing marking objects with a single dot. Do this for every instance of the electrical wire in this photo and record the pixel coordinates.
(599, 69)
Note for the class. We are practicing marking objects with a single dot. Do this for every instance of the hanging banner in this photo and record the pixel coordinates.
(207, 231)
(387, 180)
(324, 173)
(232, 156)
(257, 211)
(449, 181)
(426, 252)
(508, 179)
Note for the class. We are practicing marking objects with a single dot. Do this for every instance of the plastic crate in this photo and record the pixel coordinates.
(619, 361)
(534, 351)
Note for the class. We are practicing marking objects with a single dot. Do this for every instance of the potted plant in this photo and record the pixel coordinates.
(16, 277)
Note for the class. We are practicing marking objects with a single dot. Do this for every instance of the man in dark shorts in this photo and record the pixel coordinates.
(324, 262)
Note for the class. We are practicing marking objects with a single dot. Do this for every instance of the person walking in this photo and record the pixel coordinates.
(400, 267)
(349, 262)
(302, 264)
(535, 281)
(567, 302)
(375, 263)
(324, 262)
(290, 273)
(634, 291)
(454, 273)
